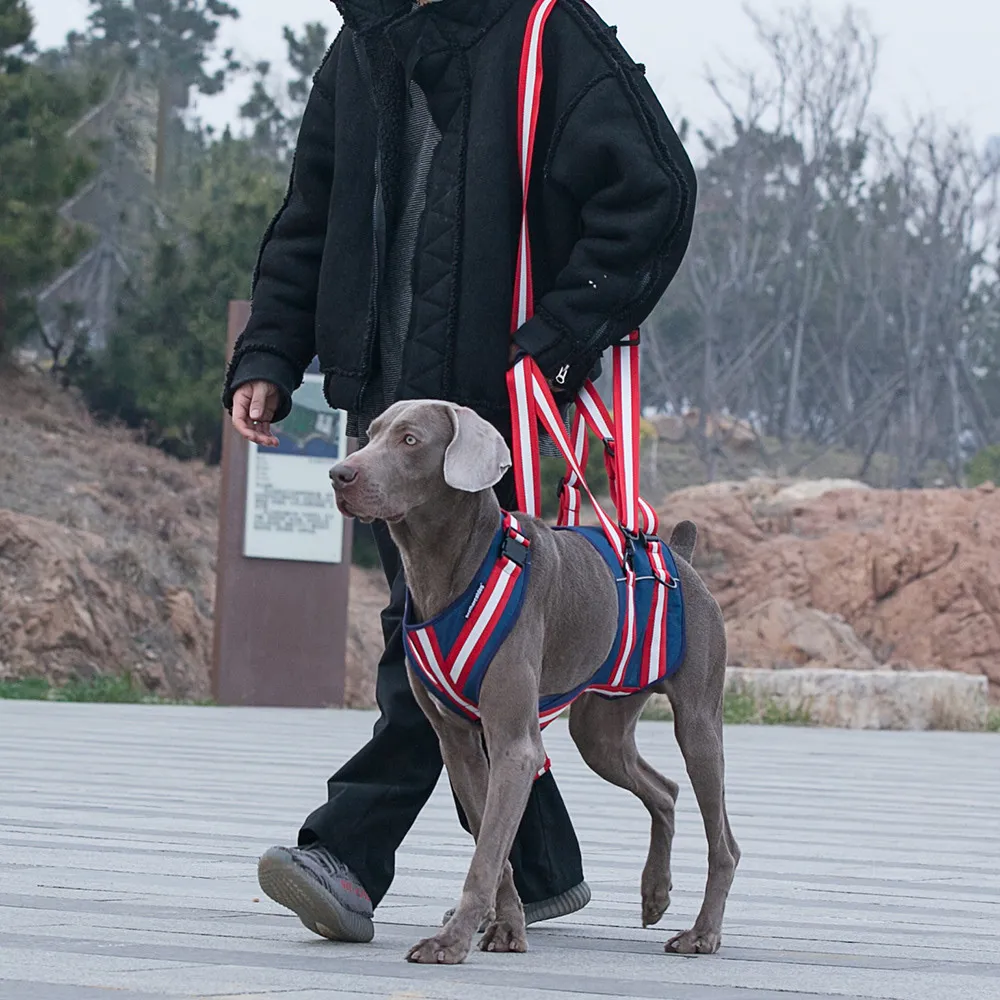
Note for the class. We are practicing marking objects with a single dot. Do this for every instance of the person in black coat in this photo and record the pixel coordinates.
(392, 261)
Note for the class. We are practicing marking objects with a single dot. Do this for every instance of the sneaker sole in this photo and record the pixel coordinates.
(559, 906)
(320, 911)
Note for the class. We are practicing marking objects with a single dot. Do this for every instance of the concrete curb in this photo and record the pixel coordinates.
(864, 699)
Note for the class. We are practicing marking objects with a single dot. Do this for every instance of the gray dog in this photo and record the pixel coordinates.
(428, 471)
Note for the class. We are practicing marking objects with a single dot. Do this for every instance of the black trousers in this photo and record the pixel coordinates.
(375, 797)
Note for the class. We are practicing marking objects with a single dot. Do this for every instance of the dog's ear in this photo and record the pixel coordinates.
(478, 457)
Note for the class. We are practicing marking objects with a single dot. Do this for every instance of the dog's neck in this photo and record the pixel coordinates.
(442, 546)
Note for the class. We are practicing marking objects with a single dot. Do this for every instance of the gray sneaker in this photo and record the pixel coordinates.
(547, 909)
(320, 890)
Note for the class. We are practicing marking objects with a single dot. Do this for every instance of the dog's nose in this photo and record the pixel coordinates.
(342, 475)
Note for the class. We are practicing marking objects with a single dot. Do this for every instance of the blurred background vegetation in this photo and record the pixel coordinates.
(840, 295)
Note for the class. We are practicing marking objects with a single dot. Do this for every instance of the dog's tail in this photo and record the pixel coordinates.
(683, 539)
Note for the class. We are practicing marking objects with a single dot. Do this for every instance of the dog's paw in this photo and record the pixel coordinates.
(655, 898)
(694, 942)
(503, 935)
(439, 950)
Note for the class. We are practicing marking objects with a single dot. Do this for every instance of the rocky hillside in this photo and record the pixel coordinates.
(107, 553)
(827, 573)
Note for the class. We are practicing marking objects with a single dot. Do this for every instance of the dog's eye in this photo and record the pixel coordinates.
(409, 440)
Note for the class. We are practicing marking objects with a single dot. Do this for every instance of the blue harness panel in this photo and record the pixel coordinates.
(602, 682)
(451, 656)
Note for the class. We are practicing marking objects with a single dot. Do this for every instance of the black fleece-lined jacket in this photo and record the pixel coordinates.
(610, 209)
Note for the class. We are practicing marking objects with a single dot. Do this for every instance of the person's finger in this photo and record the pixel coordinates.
(256, 429)
(261, 391)
(241, 402)
(241, 411)
(266, 434)
(270, 406)
(246, 428)
(257, 433)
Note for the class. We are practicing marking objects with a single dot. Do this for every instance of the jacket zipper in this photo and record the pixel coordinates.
(378, 243)
(378, 240)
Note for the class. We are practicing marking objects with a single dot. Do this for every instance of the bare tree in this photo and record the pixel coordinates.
(841, 284)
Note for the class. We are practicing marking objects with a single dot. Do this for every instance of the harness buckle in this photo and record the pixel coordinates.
(630, 543)
(515, 549)
(633, 538)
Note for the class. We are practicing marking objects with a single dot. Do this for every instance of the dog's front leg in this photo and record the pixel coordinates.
(468, 770)
(512, 771)
(514, 745)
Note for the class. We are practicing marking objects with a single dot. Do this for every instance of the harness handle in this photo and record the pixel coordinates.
(529, 393)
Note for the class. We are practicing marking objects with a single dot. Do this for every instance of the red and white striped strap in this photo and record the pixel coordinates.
(629, 637)
(623, 471)
(525, 424)
(424, 648)
(524, 438)
(533, 394)
(654, 653)
(570, 496)
(626, 386)
(529, 92)
(488, 609)
(450, 675)
(622, 464)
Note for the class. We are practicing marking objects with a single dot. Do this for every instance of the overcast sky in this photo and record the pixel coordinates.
(936, 56)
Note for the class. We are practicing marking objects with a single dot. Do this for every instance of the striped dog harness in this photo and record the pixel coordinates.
(451, 653)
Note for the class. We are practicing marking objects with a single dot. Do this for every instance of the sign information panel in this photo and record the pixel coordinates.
(291, 512)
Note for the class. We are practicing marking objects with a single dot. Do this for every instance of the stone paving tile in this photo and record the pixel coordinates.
(15, 989)
(128, 836)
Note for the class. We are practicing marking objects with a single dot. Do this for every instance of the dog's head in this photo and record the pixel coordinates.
(418, 453)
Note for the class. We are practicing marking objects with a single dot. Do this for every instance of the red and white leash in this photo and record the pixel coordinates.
(519, 378)
(530, 397)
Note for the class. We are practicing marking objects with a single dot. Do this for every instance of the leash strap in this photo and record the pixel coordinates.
(569, 488)
(547, 413)
(523, 413)
(526, 385)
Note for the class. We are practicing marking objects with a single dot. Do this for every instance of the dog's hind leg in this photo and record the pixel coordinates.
(604, 732)
(696, 694)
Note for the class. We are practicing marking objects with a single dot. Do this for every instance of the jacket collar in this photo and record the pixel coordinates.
(448, 24)
(362, 16)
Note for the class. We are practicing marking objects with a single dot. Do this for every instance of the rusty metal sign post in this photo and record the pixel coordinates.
(284, 558)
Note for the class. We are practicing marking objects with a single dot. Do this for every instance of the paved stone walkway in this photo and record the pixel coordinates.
(128, 836)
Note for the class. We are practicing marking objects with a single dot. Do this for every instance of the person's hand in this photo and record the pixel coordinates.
(512, 356)
(254, 406)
